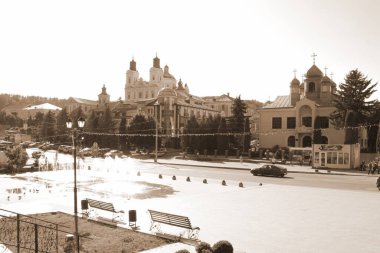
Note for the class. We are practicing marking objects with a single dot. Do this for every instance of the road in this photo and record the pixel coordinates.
(360, 182)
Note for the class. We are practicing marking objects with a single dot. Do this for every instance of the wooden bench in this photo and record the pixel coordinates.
(101, 205)
(173, 220)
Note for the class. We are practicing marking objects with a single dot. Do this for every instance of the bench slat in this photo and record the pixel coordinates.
(101, 205)
(171, 219)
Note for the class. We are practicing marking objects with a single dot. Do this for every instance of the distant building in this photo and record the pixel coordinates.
(222, 103)
(89, 105)
(137, 89)
(24, 112)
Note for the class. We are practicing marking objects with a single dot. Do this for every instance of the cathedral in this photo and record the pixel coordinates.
(137, 89)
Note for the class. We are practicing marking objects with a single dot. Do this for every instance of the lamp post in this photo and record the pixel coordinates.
(74, 136)
(156, 143)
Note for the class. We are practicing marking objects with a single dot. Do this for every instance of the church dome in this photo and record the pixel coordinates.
(314, 71)
(325, 79)
(167, 92)
(295, 82)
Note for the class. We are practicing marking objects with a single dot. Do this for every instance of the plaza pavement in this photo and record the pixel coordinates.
(267, 218)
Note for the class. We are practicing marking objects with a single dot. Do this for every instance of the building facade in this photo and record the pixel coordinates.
(290, 120)
(137, 89)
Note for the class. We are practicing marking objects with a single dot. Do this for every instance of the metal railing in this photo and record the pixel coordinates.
(22, 233)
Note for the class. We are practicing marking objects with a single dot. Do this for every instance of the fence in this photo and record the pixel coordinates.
(23, 233)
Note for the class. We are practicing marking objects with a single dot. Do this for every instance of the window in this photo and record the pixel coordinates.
(291, 122)
(328, 157)
(276, 123)
(324, 122)
(334, 157)
(306, 141)
(311, 87)
(346, 158)
(306, 121)
(140, 94)
(340, 158)
(291, 141)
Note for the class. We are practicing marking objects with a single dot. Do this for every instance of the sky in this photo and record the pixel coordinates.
(249, 48)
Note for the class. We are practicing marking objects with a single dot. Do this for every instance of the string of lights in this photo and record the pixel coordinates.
(274, 132)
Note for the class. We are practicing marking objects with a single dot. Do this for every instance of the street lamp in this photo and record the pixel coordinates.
(156, 144)
(74, 136)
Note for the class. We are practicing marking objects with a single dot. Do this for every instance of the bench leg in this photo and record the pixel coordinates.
(118, 216)
(192, 233)
(155, 225)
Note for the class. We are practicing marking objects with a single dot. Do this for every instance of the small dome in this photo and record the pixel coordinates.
(325, 79)
(295, 82)
(314, 71)
(167, 92)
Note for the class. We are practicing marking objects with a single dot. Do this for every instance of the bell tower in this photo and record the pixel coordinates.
(131, 78)
(156, 73)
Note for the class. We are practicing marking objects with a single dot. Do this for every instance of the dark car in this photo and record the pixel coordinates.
(270, 170)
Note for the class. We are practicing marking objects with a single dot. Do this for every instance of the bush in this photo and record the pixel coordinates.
(203, 247)
(222, 247)
(182, 251)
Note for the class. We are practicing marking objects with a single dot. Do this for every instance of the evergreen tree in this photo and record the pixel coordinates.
(353, 107)
(150, 131)
(61, 128)
(212, 125)
(247, 135)
(123, 130)
(106, 125)
(138, 129)
(374, 130)
(48, 127)
(193, 131)
(203, 137)
(92, 125)
(222, 140)
(239, 108)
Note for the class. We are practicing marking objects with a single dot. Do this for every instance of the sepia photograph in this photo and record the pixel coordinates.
(246, 126)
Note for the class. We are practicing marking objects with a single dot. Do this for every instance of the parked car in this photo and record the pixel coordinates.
(85, 152)
(270, 170)
(113, 153)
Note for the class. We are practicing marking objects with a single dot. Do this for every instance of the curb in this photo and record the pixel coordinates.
(247, 169)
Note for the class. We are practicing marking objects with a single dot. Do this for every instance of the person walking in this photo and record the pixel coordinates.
(369, 168)
(375, 167)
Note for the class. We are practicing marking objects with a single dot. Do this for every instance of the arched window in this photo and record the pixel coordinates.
(306, 141)
(311, 87)
(291, 141)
